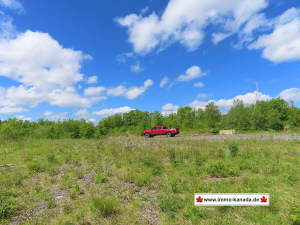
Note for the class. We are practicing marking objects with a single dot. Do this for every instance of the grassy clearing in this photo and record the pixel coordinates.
(130, 180)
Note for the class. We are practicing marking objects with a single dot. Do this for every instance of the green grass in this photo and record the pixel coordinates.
(132, 180)
(104, 205)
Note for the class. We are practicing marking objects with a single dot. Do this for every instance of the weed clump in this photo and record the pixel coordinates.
(8, 207)
(101, 177)
(220, 169)
(170, 204)
(51, 204)
(51, 158)
(35, 167)
(172, 154)
(106, 206)
(234, 149)
(76, 190)
(157, 169)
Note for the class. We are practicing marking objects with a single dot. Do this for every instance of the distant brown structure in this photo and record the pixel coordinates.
(227, 132)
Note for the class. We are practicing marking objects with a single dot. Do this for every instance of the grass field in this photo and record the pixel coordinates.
(132, 180)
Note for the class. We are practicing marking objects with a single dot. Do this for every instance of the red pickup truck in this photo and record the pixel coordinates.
(161, 130)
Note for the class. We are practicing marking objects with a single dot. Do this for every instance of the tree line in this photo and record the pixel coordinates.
(275, 115)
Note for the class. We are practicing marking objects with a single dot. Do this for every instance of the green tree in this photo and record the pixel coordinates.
(212, 115)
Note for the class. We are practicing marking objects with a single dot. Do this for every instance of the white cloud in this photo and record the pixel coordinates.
(199, 84)
(248, 99)
(217, 37)
(192, 73)
(92, 80)
(93, 91)
(12, 4)
(112, 111)
(47, 72)
(134, 92)
(169, 108)
(163, 82)
(283, 44)
(10, 110)
(7, 28)
(68, 97)
(185, 21)
(291, 94)
(131, 92)
(136, 67)
(196, 104)
(117, 91)
(20, 96)
(36, 59)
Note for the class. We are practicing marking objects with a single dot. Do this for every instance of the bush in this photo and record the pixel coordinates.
(234, 149)
(8, 207)
(106, 206)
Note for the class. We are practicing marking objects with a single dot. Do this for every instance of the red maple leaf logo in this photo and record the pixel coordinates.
(199, 199)
(263, 199)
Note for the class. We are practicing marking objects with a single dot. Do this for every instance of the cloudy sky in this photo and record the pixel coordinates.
(90, 59)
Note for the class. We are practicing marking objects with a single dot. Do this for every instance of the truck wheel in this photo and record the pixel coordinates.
(169, 134)
(147, 135)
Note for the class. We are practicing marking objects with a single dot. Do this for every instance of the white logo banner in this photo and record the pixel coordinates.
(205, 199)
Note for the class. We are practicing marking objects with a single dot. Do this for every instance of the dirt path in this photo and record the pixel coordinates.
(142, 141)
(287, 137)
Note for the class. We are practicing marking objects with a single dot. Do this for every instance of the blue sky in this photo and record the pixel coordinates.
(73, 59)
